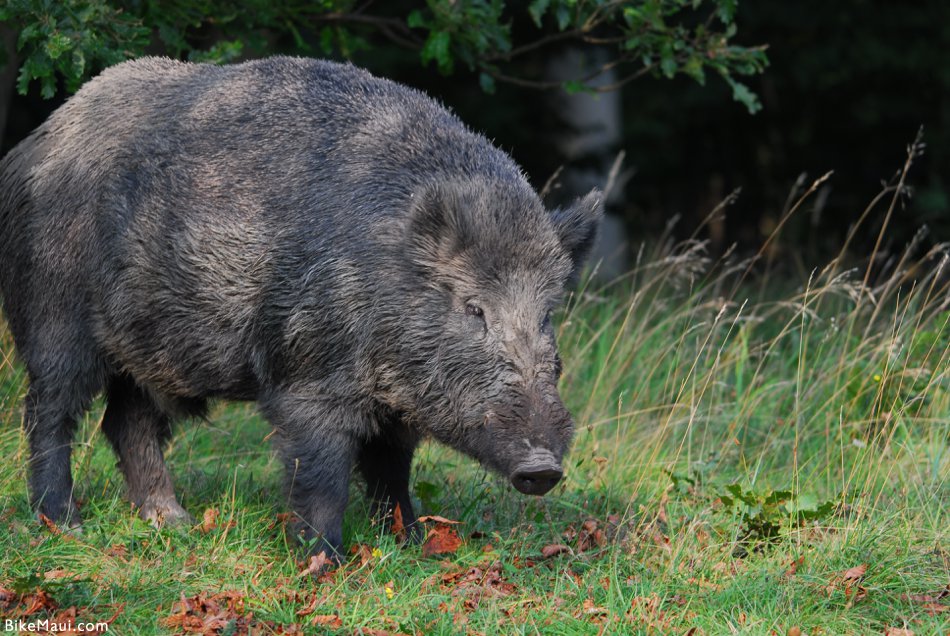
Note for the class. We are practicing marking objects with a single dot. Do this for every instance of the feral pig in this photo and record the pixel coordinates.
(337, 247)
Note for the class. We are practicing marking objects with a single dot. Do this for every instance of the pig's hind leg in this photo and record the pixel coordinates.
(54, 403)
(137, 429)
(386, 462)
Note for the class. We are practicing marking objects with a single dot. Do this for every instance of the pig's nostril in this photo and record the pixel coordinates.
(536, 481)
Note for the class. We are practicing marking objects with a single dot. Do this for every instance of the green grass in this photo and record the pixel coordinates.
(729, 426)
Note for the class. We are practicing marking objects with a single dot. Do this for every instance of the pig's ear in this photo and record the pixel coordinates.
(438, 224)
(577, 226)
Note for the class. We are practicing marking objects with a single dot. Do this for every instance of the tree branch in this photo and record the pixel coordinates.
(393, 29)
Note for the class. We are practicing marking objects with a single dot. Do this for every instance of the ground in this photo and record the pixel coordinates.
(752, 457)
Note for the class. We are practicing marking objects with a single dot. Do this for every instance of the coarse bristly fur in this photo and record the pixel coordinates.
(335, 246)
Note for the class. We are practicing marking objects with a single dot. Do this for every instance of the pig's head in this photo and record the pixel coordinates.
(488, 265)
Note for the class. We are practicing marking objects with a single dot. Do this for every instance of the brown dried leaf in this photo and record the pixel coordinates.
(311, 607)
(849, 579)
(364, 552)
(209, 520)
(854, 574)
(57, 574)
(118, 551)
(554, 549)
(50, 524)
(897, 631)
(316, 565)
(590, 536)
(589, 609)
(933, 597)
(702, 582)
(442, 539)
(36, 601)
(208, 615)
(436, 519)
(794, 565)
(327, 620)
(398, 527)
(282, 519)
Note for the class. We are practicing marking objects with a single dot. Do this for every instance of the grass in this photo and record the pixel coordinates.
(753, 456)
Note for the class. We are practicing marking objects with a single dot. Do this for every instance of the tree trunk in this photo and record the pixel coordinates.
(7, 75)
(589, 139)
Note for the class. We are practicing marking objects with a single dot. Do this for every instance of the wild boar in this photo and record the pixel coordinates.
(337, 247)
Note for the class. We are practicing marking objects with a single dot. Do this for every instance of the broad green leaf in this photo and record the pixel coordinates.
(537, 9)
(57, 44)
(437, 48)
(415, 20)
(742, 94)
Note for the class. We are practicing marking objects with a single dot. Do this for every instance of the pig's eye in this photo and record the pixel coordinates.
(474, 310)
(546, 323)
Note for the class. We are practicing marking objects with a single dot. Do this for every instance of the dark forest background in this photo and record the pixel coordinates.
(848, 86)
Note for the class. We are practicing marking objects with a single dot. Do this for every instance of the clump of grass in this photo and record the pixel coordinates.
(746, 444)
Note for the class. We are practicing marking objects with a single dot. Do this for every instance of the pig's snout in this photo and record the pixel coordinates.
(538, 474)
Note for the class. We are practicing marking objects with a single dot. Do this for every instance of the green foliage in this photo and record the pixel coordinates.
(468, 30)
(73, 39)
(70, 38)
(767, 513)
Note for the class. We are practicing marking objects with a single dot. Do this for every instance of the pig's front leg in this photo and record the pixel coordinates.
(385, 462)
(318, 449)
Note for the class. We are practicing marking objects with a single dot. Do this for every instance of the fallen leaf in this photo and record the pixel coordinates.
(56, 574)
(118, 551)
(897, 631)
(849, 579)
(282, 519)
(327, 620)
(794, 565)
(365, 553)
(554, 549)
(50, 524)
(311, 607)
(933, 597)
(442, 539)
(317, 564)
(398, 528)
(701, 582)
(590, 609)
(205, 614)
(478, 583)
(589, 537)
(209, 520)
(34, 602)
(436, 519)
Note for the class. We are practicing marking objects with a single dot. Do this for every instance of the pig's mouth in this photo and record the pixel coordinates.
(538, 474)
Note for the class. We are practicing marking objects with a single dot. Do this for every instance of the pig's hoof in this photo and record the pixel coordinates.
(165, 513)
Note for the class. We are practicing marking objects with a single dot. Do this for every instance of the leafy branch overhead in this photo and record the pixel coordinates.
(501, 41)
